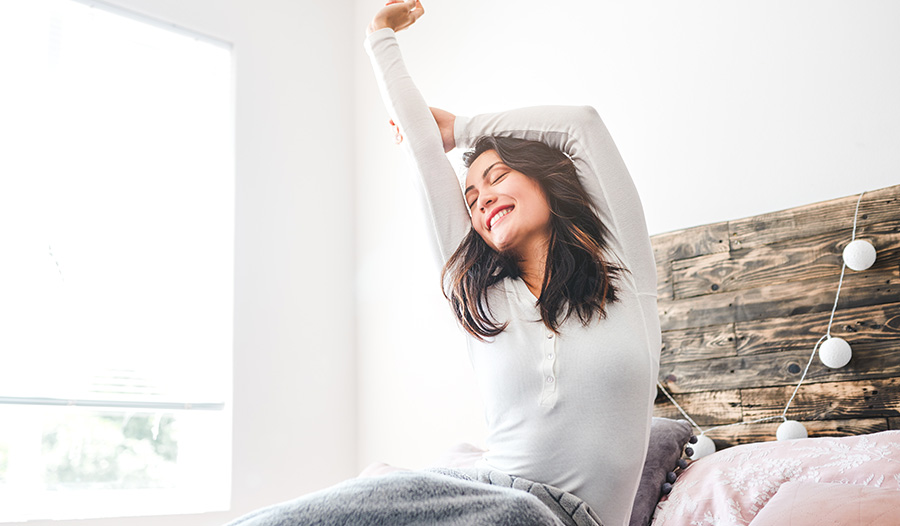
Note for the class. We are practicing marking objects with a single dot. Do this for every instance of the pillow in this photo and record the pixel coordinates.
(815, 504)
(732, 485)
(667, 441)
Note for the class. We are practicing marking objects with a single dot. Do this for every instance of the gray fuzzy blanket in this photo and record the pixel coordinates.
(439, 496)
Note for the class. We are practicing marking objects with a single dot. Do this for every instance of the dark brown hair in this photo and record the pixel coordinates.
(577, 278)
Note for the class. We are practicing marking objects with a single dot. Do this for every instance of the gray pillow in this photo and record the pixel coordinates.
(667, 440)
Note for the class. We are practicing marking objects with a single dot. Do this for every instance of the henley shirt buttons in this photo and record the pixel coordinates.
(549, 379)
(550, 336)
(550, 356)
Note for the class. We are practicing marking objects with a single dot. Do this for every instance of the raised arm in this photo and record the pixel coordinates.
(421, 140)
(580, 133)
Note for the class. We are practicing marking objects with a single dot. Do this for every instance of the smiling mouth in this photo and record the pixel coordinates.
(498, 216)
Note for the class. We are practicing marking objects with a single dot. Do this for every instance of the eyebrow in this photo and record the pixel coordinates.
(485, 174)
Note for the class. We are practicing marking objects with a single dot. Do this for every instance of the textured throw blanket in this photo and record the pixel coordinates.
(438, 496)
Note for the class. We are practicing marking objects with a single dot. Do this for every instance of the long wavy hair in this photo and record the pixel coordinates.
(578, 278)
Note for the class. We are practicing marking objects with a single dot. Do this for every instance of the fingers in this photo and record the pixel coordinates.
(415, 11)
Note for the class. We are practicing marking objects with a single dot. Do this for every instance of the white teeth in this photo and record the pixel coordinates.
(498, 215)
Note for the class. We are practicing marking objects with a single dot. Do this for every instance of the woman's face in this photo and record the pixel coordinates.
(509, 209)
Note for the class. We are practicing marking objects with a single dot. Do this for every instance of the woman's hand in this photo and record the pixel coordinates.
(397, 15)
(445, 121)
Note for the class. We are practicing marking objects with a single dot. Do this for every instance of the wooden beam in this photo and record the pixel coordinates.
(794, 259)
(706, 408)
(765, 431)
(690, 242)
(701, 343)
(861, 326)
(826, 401)
(877, 206)
(781, 300)
(776, 369)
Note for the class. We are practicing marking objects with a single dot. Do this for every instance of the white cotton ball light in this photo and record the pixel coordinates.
(859, 255)
(791, 429)
(835, 353)
(704, 446)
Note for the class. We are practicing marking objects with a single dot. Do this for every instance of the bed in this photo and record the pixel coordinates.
(742, 304)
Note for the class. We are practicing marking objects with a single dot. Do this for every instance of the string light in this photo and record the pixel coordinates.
(834, 353)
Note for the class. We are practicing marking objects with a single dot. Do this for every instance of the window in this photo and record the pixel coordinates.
(116, 264)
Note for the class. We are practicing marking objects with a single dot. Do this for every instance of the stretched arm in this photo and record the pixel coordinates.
(421, 140)
(580, 133)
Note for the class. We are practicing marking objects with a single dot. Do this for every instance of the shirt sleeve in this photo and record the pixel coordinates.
(445, 205)
(580, 133)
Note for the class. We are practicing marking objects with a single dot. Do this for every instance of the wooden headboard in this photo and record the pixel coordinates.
(742, 304)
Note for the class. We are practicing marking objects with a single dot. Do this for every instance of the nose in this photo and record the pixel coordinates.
(486, 199)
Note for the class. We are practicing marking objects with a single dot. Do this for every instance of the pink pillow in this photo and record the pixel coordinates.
(818, 504)
(732, 485)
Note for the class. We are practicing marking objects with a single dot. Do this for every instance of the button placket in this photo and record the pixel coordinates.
(548, 362)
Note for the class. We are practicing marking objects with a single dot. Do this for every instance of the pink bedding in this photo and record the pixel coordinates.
(821, 504)
(732, 486)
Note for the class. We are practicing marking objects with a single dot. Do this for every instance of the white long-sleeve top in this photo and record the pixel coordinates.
(572, 410)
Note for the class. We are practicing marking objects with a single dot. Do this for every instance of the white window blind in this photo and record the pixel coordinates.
(116, 264)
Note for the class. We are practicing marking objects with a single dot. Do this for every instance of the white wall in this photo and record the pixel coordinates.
(721, 110)
(294, 371)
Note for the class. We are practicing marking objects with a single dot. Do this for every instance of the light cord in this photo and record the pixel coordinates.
(811, 356)
(783, 415)
(855, 215)
(691, 420)
(843, 268)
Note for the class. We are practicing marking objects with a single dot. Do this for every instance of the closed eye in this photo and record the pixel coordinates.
(497, 179)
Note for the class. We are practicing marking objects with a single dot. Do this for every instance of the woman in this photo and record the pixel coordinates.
(549, 269)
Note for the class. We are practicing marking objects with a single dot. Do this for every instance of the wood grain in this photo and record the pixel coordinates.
(776, 369)
(826, 401)
(699, 343)
(877, 206)
(690, 242)
(765, 431)
(742, 304)
(707, 408)
(865, 326)
(797, 259)
(781, 300)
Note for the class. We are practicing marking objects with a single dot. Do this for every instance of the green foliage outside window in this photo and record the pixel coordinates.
(110, 451)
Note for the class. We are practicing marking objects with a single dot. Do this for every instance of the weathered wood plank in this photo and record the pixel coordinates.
(894, 423)
(796, 259)
(781, 300)
(706, 408)
(825, 401)
(690, 242)
(765, 431)
(876, 206)
(775, 369)
(664, 289)
(878, 324)
(701, 311)
(698, 343)
(859, 289)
